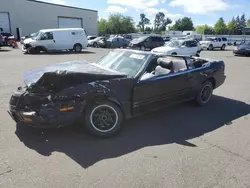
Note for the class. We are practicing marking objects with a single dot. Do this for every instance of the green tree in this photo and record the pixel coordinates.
(220, 27)
(204, 29)
(237, 20)
(248, 22)
(243, 22)
(184, 24)
(148, 29)
(232, 27)
(143, 21)
(103, 26)
(161, 22)
(116, 24)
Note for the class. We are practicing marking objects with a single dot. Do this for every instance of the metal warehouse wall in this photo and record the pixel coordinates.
(32, 16)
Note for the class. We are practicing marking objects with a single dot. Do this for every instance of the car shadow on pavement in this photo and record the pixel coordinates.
(172, 125)
(5, 50)
(63, 53)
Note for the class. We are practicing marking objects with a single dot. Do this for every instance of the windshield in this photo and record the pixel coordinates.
(110, 39)
(34, 34)
(98, 38)
(37, 36)
(174, 43)
(141, 38)
(126, 62)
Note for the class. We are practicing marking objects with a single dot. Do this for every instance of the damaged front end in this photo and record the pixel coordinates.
(56, 95)
(45, 110)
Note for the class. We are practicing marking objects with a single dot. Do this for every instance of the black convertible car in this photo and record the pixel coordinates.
(123, 84)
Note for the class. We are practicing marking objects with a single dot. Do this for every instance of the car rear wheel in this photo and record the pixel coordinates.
(103, 119)
(78, 48)
(94, 44)
(174, 53)
(205, 94)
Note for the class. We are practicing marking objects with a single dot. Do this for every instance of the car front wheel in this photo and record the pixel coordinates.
(210, 47)
(103, 119)
(205, 94)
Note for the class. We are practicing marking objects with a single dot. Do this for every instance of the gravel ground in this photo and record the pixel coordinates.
(179, 147)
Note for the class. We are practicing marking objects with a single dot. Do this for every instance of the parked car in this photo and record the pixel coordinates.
(147, 42)
(94, 42)
(166, 39)
(56, 39)
(121, 85)
(91, 37)
(117, 42)
(214, 42)
(179, 47)
(243, 49)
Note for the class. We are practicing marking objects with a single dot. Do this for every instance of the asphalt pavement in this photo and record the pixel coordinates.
(180, 147)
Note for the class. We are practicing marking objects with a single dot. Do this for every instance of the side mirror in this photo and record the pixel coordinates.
(183, 46)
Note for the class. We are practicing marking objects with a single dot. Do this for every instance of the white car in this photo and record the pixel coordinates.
(56, 39)
(95, 41)
(179, 47)
(214, 42)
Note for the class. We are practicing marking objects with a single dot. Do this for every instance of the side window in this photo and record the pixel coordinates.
(159, 39)
(184, 44)
(155, 39)
(193, 44)
(219, 39)
(148, 39)
(187, 44)
(224, 39)
(47, 36)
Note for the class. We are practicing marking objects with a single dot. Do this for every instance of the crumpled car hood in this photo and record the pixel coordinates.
(80, 68)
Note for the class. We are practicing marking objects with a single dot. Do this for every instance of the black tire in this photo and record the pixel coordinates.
(99, 129)
(223, 47)
(30, 50)
(174, 53)
(211, 47)
(204, 98)
(125, 46)
(37, 50)
(77, 48)
(94, 44)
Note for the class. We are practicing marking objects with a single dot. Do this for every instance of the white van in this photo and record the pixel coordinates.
(56, 39)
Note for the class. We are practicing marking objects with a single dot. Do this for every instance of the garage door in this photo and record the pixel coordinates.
(69, 22)
(4, 22)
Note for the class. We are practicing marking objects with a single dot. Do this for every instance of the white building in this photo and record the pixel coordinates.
(23, 17)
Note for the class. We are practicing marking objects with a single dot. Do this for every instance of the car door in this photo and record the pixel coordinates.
(148, 43)
(115, 43)
(47, 41)
(193, 47)
(184, 48)
(219, 42)
(160, 91)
